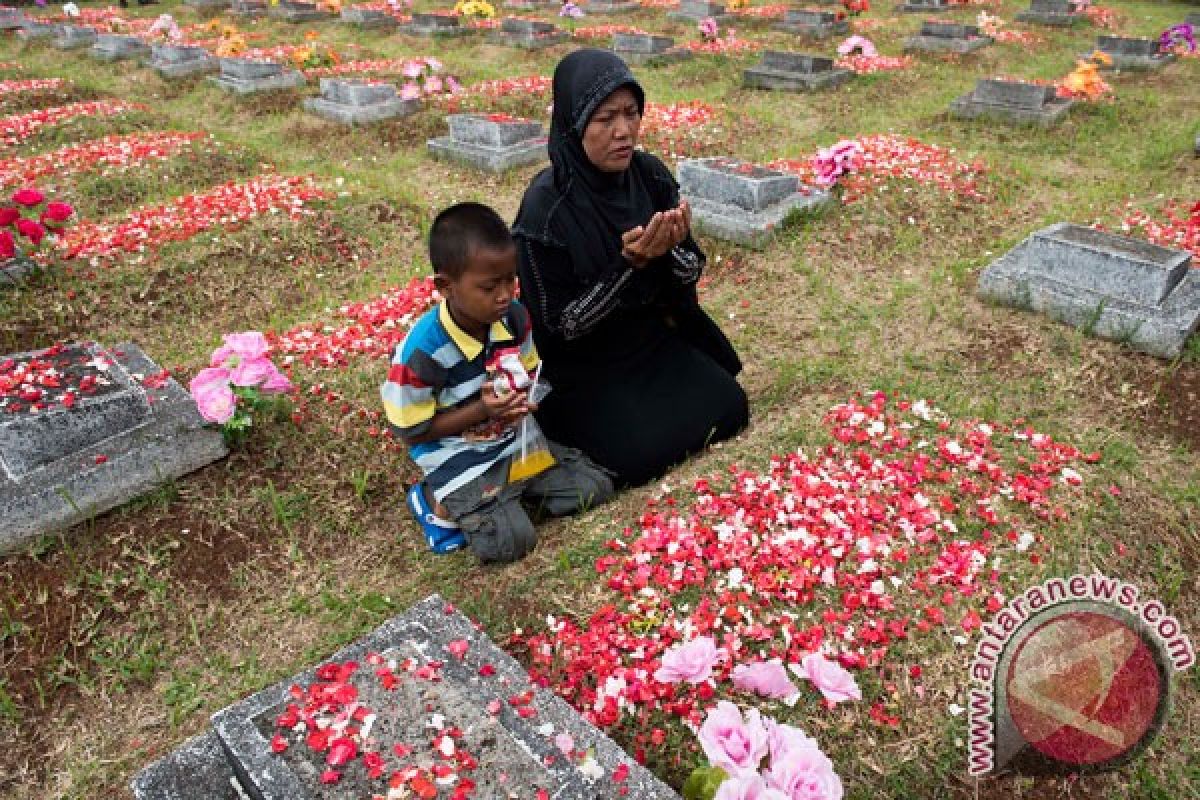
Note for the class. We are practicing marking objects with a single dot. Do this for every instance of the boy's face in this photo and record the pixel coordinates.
(484, 291)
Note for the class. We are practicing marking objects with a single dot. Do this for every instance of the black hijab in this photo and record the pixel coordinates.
(574, 204)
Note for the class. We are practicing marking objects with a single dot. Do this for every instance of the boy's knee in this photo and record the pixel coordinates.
(501, 534)
(589, 487)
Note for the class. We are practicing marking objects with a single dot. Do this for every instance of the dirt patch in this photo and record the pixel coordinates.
(1175, 409)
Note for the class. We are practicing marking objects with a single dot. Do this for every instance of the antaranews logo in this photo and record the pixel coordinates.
(1073, 675)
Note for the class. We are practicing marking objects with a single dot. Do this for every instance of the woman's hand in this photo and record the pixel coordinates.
(665, 230)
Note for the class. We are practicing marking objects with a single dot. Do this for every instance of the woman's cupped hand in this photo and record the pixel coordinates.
(665, 230)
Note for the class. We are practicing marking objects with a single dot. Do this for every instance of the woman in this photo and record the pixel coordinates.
(641, 376)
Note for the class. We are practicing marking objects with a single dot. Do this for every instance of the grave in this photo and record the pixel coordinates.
(126, 429)
(742, 202)
(530, 34)
(1059, 13)
(1132, 53)
(207, 5)
(368, 18)
(247, 9)
(1193, 19)
(925, 6)
(244, 76)
(531, 5)
(32, 29)
(480, 697)
(118, 46)
(358, 102)
(427, 23)
(1113, 287)
(610, 6)
(696, 10)
(181, 60)
(72, 37)
(14, 270)
(813, 23)
(646, 48)
(491, 142)
(1013, 101)
(952, 37)
(297, 11)
(11, 18)
(793, 72)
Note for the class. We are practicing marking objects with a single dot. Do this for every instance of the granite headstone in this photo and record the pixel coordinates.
(491, 142)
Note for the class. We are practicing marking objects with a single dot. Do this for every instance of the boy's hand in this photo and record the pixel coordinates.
(507, 408)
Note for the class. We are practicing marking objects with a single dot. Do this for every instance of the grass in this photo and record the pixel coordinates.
(119, 638)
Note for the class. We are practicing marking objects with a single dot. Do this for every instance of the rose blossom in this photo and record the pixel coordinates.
(805, 773)
(32, 230)
(8, 247)
(782, 738)
(276, 382)
(748, 787)
(731, 743)
(768, 678)
(835, 683)
(691, 662)
(9, 215)
(215, 402)
(861, 43)
(251, 371)
(28, 197)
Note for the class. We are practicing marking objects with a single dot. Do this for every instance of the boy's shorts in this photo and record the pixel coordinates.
(497, 525)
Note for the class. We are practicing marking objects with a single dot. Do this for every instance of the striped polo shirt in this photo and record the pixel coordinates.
(439, 367)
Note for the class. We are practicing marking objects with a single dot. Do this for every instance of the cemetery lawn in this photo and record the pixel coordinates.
(120, 637)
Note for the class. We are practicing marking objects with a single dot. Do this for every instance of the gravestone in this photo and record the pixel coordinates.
(1058, 13)
(952, 37)
(427, 23)
(32, 29)
(1013, 101)
(646, 48)
(813, 23)
(11, 18)
(1113, 287)
(358, 102)
(427, 676)
(1132, 53)
(369, 18)
(529, 34)
(126, 429)
(925, 6)
(696, 10)
(14, 270)
(793, 72)
(247, 9)
(742, 202)
(1193, 19)
(610, 6)
(73, 37)
(531, 5)
(297, 11)
(491, 142)
(245, 76)
(207, 5)
(117, 46)
(181, 60)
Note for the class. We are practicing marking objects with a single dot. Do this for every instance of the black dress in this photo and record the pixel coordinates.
(641, 375)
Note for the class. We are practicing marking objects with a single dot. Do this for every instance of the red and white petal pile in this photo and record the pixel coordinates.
(8, 88)
(660, 117)
(184, 217)
(869, 65)
(16, 128)
(377, 326)
(532, 85)
(722, 45)
(391, 9)
(56, 377)
(111, 152)
(888, 157)
(603, 31)
(771, 11)
(1178, 227)
(906, 524)
(682, 130)
(384, 66)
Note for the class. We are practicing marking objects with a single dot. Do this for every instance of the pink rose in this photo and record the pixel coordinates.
(32, 230)
(410, 91)
(805, 773)
(209, 377)
(276, 382)
(251, 372)
(781, 738)
(768, 678)
(246, 345)
(731, 743)
(691, 662)
(748, 787)
(216, 403)
(835, 683)
(28, 197)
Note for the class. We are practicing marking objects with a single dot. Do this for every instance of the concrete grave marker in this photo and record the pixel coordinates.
(951, 37)
(208, 5)
(1132, 53)
(1113, 286)
(742, 202)
(793, 72)
(369, 18)
(696, 10)
(248, 9)
(125, 429)
(611, 6)
(297, 11)
(814, 23)
(14, 270)
(646, 48)
(925, 6)
(531, 5)
(116, 47)
(11, 18)
(73, 37)
(512, 754)
(1057, 13)
(181, 60)
(491, 142)
(32, 29)
(1012, 101)
(245, 76)
(358, 102)
(1193, 19)
(428, 23)
(529, 34)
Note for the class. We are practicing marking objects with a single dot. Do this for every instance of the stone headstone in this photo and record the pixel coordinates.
(1193, 19)
(1058, 13)
(529, 34)
(437, 25)
(793, 72)
(505, 723)
(14, 270)
(72, 37)
(11, 18)
(696, 10)
(646, 48)
(297, 11)
(1132, 53)
(1112, 286)
(32, 29)
(247, 76)
(1012, 101)
(491, 142)
(814, 23)
(611, 6)
(181, 60)
(531, 5)
(116, 46)
(742, 202)
(369, 18)
(248, 9)
(207, 5)
(127, 429)
(358, 102)
(925, 6)
(952, 37)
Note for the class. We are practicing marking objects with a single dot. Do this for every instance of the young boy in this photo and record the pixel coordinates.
(458, 393)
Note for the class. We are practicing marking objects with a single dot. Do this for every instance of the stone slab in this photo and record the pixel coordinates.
(116, 47)
(146, 435)
(696, 10)
(287, 79)
(71, 37)
(197, 770)
(488, 159)
(359, 103)
(925, 6)
(369, 19)
(11, 19)
(512, 754)
(297, 13)
(762, 77)
(605, 7)
(1013, 102)
(32, 30)
(184, 69)
(646, 48)
(1193, 19)
(435, 25)
(243, 9)
(813, 23)
(1074, 275)
(208, 5)
(14, 271)
(1054, 19)
(1132, 53)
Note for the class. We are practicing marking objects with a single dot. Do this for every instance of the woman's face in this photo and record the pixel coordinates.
(612, 132)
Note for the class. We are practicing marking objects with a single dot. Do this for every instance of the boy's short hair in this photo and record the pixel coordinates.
(458, 229)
